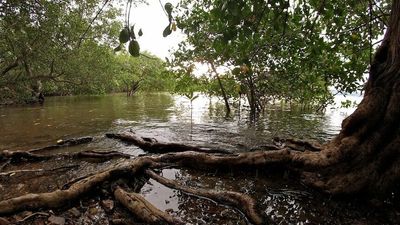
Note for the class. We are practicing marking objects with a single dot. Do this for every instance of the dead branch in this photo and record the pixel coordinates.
(143, 209)
(242, 202)
(153, 146)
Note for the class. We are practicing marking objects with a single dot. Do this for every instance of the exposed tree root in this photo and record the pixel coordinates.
(242, 202)
(99, 155)
(64, 143)
(18, 156)
(298, 145)
(363, 157)
(153, 146)
(142, 209)
(59, 198)
(38, 171)
(22, 156)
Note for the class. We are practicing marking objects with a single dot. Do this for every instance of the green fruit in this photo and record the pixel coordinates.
(168, 8)
(134, 48)
(124, 35)
(140, 33)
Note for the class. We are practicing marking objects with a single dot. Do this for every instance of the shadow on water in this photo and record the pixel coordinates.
(168, 118)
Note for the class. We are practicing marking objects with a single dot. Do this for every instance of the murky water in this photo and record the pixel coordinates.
(169, 118)
(159, 115)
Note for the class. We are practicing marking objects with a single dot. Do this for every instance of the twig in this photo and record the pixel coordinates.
(163, 8)
(32, 215)
(91, 22)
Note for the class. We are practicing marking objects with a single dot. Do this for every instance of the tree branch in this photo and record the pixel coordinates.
(10, 67)
(91, 23)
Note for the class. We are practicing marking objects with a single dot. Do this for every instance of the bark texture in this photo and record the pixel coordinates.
(364, 157)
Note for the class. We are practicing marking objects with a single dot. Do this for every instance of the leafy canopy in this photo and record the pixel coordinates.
(294, 50)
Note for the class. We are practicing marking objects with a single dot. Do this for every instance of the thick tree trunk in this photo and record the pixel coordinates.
(364, 157)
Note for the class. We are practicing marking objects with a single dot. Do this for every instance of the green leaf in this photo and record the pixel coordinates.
(167, 31)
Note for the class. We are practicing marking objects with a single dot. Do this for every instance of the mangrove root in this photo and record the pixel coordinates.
(18, 156)
(38, 171)
(242, 202)
(64, 143)
(60, 198)
(143, 209)
(153, 146)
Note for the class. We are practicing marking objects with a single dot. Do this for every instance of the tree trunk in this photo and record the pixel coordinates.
(228, 108)
(364, 157)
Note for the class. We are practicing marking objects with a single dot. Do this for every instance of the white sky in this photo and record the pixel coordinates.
(152, 19)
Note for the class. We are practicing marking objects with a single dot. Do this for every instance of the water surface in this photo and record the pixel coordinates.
(169, 118)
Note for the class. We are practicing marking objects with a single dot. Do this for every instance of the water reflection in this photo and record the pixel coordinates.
(160, 115)
(168, 118)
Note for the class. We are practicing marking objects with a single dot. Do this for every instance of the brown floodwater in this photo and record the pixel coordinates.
(169, 118)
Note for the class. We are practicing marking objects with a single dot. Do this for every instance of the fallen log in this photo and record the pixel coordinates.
(153, 146)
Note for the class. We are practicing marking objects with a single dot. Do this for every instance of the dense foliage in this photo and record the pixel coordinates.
(292, 50)
(66, 47)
